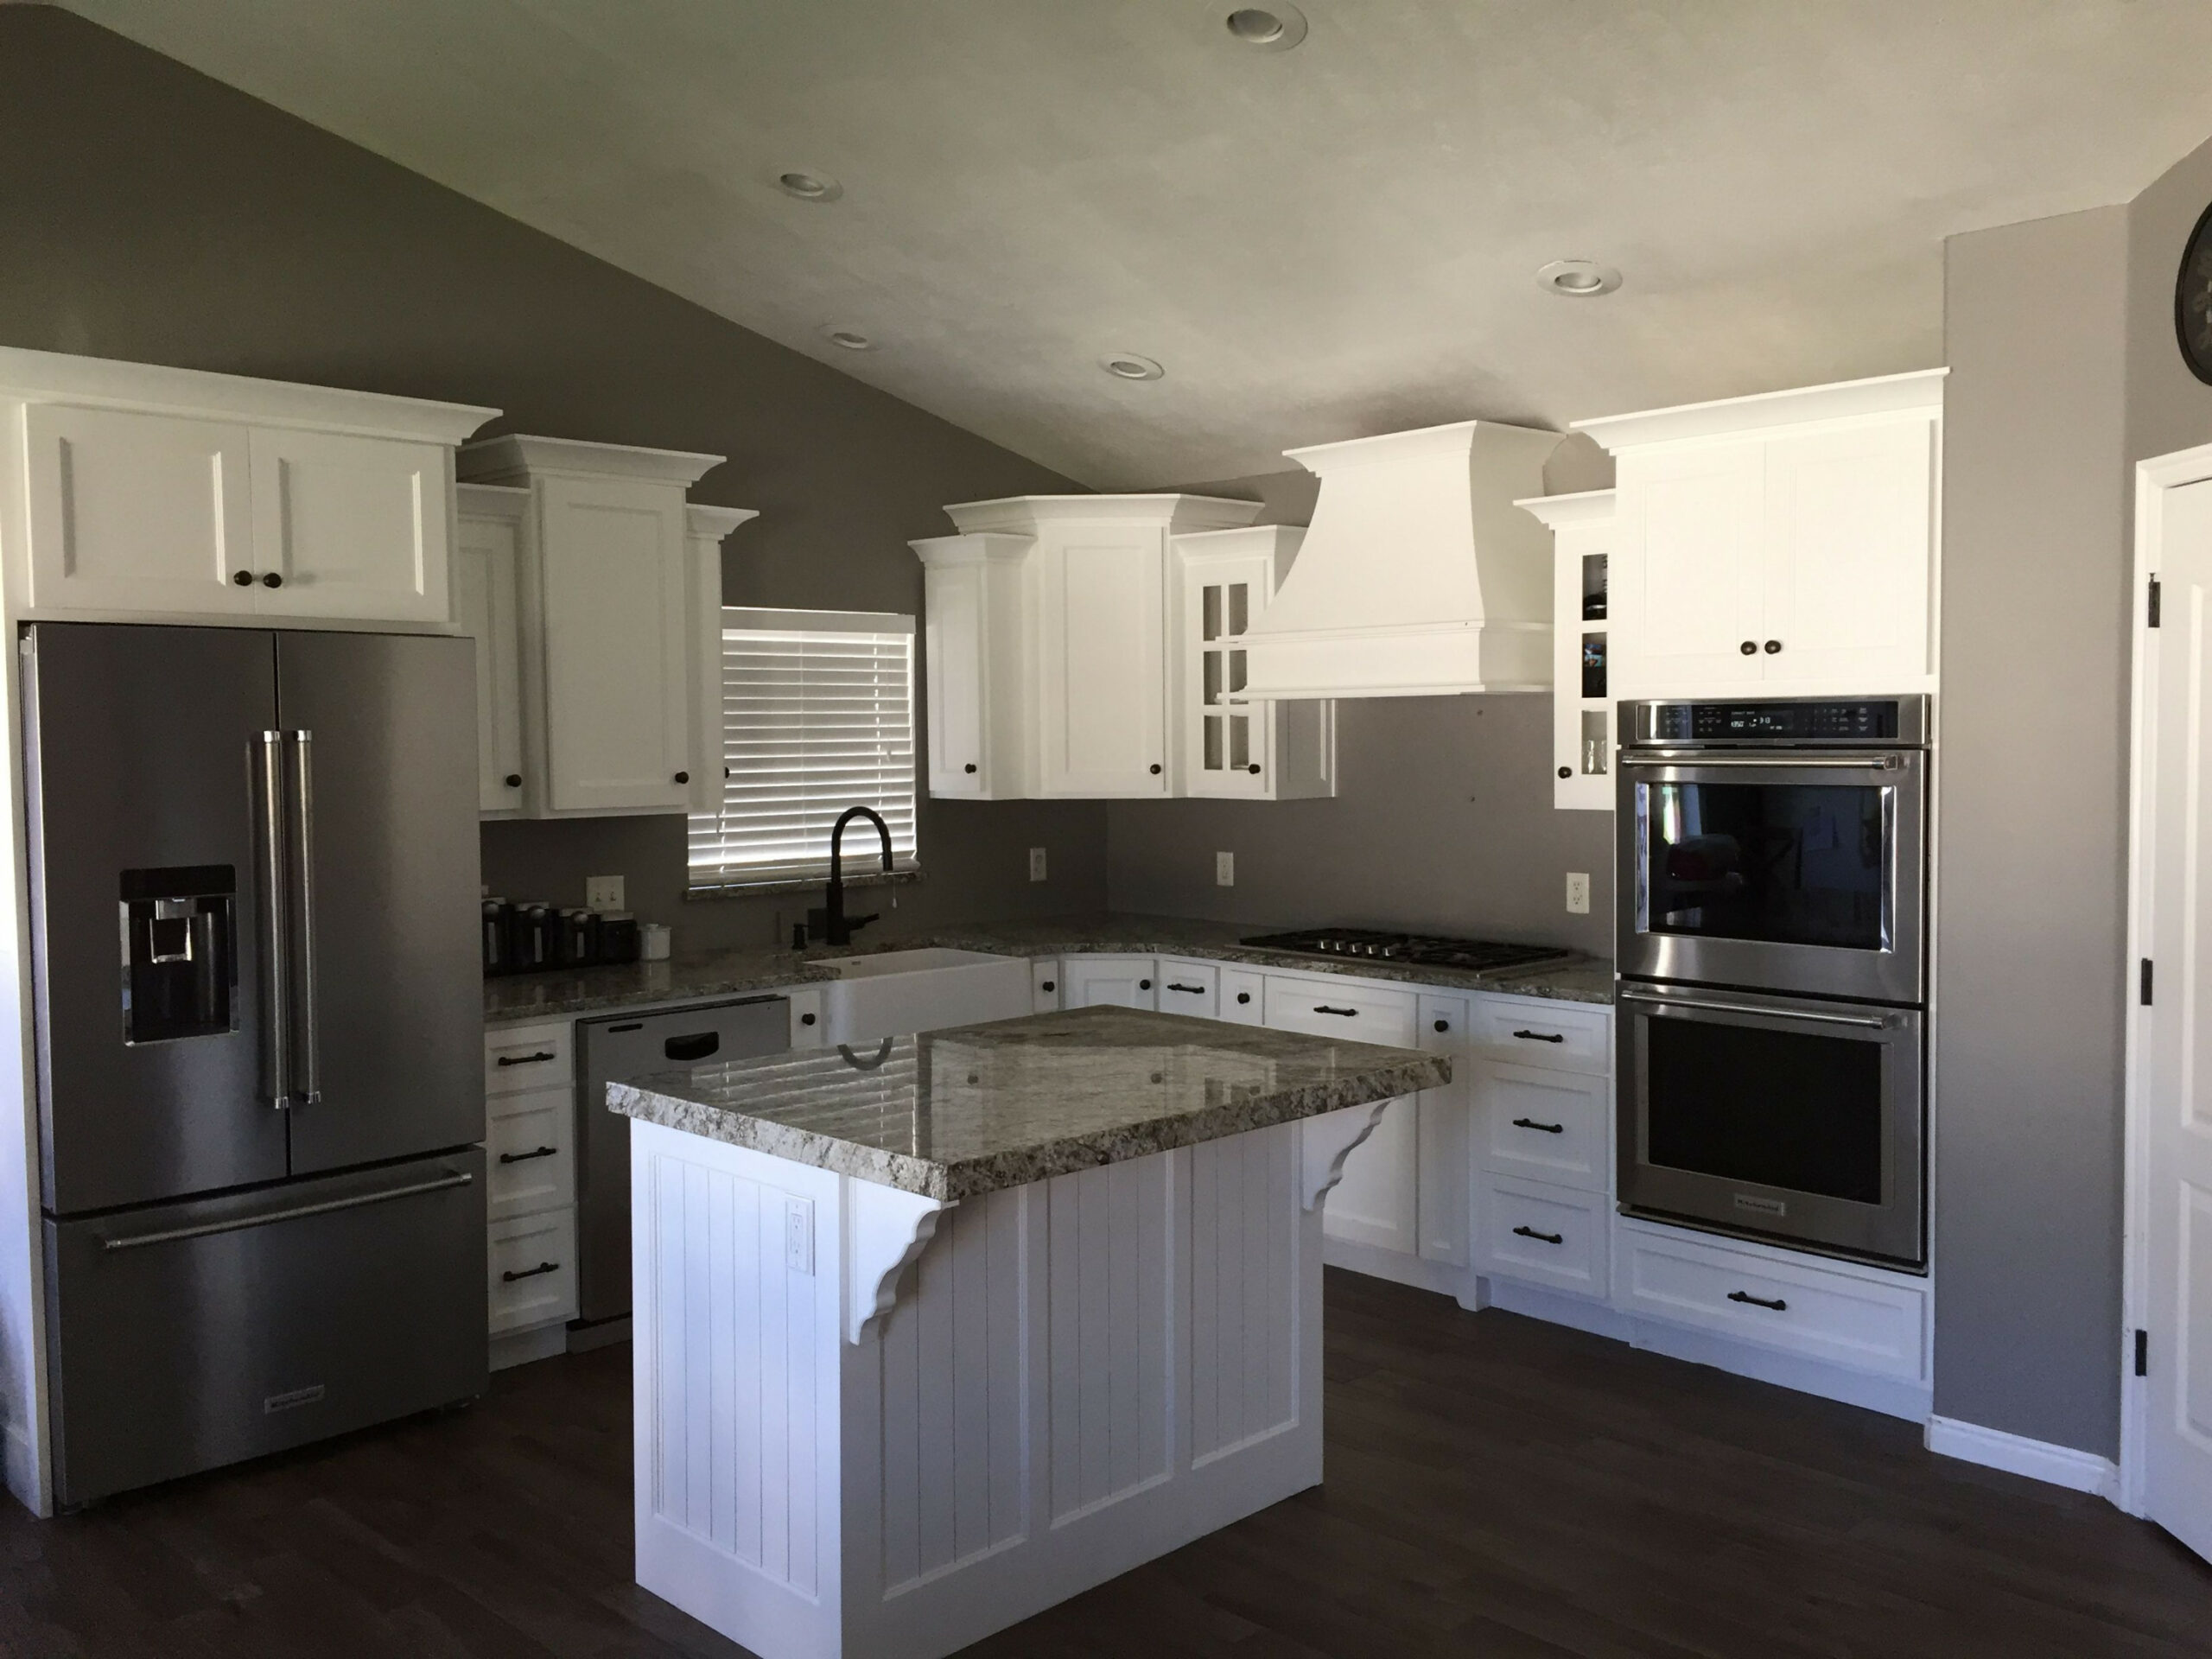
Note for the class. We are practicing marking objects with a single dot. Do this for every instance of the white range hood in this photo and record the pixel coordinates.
(1419, 577)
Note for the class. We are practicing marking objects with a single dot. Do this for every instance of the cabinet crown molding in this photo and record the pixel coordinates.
(1569, 512)
(981, 547)
(1026, 514)
(701, 519)
(105, 383)
(519, 455)
(1247, 539)
(1921, 390)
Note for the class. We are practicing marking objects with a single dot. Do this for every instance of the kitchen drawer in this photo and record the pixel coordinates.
(529, 1149)
(1116, 981)
(1542, 1234)
(1327, 1007)
(1545, 1126)
(1187, 987)
(1565, 1036)
(1243, 995)
(517, 1058)
(1843, 1315)
(1045, 985)
(532, 1270)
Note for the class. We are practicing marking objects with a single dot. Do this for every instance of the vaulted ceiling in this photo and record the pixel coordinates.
(1320, 243)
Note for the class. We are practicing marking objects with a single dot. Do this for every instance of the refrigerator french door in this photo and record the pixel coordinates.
(254, 886)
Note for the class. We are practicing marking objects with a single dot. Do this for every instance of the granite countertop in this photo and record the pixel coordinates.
(971, 1109)
(1579, 978)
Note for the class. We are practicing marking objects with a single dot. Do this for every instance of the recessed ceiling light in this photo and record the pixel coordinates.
(850, 340)
(1271, 28)
(810, 186)
(1578, 279)
(1128, 365)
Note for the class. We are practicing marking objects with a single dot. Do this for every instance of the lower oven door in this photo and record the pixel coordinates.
(1781, 1117)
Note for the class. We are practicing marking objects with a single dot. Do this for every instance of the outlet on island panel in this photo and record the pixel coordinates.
(1036, 863)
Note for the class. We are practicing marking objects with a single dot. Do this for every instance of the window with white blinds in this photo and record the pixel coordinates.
(817, 715)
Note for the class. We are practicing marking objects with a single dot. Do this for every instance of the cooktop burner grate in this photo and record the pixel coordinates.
(1420, 950)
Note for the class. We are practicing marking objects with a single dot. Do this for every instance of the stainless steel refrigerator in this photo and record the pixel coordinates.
(253, 881)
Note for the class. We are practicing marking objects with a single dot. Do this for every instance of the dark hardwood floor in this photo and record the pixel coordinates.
(1496, 1487)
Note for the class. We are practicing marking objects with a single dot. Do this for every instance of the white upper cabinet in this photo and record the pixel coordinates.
(1785, 544)
(705, 529)
(491, 523)
(1583, 534)
(975, 674)
(1225, 745)
(1103, 657)
(614, 643)
(158, 494)
(349, 527)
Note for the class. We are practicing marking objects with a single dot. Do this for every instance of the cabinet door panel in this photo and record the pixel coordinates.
(1102, 651)
(485, 605)
(1687, 596)
(617, 646)
(137, 512)
(1227, 747)
(954, 641)
(356, 527)
(1849, 525)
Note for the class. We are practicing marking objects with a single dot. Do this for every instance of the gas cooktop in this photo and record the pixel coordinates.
(1414, 949)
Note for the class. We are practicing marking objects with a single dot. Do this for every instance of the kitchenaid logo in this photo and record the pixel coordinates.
(1765, 1206)
(293, 1398)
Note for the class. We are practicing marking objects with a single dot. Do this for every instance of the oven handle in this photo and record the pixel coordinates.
(1700, 759)
(1871, 1021)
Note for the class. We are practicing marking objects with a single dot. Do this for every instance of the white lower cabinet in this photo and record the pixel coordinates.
(532, 1269)
(1192, 988)
(1544, 1126)
(1243, 995)
(530, 1115)
(1377, 1203)
(1545, 1235)
(1120, 981)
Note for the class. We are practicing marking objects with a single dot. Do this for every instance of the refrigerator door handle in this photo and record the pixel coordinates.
(273, 895)
(306, 1067)
(239, 1223)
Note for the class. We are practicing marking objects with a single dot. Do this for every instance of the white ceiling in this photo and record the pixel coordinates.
(1318, 243)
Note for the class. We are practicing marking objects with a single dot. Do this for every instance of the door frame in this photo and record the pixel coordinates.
(2154, 477)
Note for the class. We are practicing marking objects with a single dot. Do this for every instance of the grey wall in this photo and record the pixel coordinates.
(1443, 819)
(155, 215)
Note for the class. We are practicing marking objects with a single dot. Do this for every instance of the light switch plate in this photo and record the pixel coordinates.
(1225, 869)
(1578, 892)
(603, 892)
(798, 1235)
(1036, 863)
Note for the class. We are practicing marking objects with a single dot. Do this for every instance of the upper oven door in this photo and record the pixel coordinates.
(1784, 872)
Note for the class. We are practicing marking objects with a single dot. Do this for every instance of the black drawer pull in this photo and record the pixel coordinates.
(1349, 1013)
(1187, 990)
(1541, 1036)
(1531, 1123)
(1777, 1304)
(524, 1157)
(528, 1059)
(1549, 1238)
(530, 1272)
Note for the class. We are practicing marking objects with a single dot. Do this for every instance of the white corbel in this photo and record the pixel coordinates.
(886, 1228)
(1325, 1141)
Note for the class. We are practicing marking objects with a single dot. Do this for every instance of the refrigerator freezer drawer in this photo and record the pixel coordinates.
(188, 1336)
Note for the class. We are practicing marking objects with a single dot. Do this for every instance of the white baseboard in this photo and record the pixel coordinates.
(1401, 1270)
(521, 1347)
(1599, 1318)
(2060, 1465)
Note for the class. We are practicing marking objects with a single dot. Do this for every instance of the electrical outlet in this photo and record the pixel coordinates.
(1225, 869)
(1578, 892)
(1036, 863)
(603, 892)
(798, 1235)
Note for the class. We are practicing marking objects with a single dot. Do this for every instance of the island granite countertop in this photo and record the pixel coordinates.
(971, 1109)
(1578, 978)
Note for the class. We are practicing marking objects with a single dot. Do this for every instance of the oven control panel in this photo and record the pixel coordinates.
(1793, 721)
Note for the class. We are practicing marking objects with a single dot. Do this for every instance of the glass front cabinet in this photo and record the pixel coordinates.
(1228, 746)
(1583, 738)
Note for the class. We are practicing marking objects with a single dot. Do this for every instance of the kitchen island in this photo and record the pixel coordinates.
(933, 1334)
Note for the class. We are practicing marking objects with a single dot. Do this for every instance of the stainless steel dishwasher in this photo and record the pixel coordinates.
(616, 1050)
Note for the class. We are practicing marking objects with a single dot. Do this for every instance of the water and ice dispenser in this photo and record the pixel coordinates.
(180, 952)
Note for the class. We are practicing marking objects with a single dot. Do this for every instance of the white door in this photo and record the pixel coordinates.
(617, 717)
(1684, 592)
(2176, 1100)
(1225, 745)
(350, 528)
(1849, 524)
(953, 639)
(485, 605)
(138, 513)
(1103, 653)
(1122, 982)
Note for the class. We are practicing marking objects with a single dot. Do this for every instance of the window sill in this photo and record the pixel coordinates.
(876, 878)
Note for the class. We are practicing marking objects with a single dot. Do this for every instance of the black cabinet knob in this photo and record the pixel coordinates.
(1773, 646)
(970, 766)
(683, 777)
(272, 580)
(1049, 985)
(1567, 771)
(1750, 648)
(514, 780)
(1144, 984)
(1155, 769)
(1255, 768)
(1243, 996)
(243, 578)
(1444, 1025)
(806, 1019)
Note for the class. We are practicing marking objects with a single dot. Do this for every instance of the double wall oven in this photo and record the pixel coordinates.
(1773, 992)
